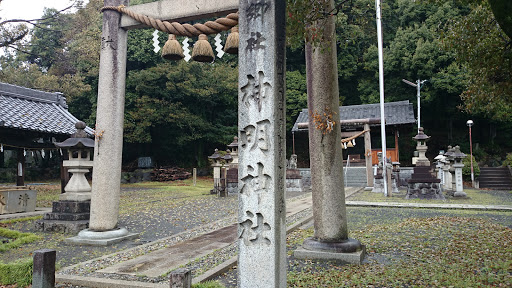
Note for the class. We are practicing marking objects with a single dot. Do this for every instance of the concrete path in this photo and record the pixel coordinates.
(432, 206)
(161, 261)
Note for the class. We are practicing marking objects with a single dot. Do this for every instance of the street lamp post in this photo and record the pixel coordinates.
(470, 123)
(418, 87)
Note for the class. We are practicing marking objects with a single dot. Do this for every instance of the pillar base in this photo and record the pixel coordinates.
(348, 251)
(460, 194)
(103, 238)
(345, 246)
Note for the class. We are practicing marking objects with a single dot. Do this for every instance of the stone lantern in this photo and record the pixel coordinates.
(421, 147)
(439, 166)
(458, 156)
(216, 164)
(422, 184)
(234, 152)
(72, 212)
(79, 148)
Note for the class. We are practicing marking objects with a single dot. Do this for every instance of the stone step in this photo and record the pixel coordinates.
(66, 216)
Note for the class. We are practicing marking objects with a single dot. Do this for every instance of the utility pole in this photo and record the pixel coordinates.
(418, 85)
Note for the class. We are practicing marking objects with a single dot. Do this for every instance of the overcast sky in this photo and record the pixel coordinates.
(29, 9)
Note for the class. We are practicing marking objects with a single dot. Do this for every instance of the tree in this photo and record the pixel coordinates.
(12, 31)
(173, 107)
(483, 51)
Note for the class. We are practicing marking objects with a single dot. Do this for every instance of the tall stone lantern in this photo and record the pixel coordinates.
(421, 147)
(422, 184)
(458, 165)
(216, 164)
(79, 148)
(233, 146)
(72, 212)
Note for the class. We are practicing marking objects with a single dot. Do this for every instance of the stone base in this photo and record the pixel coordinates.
(424, 190)
(369, 188)
(345, 246)
(75, 196)
(350, 258)
(293, 185)
(103, 238)
(378, 184)
(460, 194)
(66, 217)
(232, 188)
(61, 226)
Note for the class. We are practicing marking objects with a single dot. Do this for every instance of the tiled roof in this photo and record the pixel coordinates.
(396, 113)
(34, 110)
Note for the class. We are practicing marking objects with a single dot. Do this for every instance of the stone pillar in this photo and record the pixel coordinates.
(106, 183)
(326, 160)
(43, 275)
(216, 177)
(447, 185)
(457, 166)
(262, 162)
(458, 180)
(368, 157)
(181, 278)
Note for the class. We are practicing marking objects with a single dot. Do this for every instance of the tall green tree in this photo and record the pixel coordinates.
(483, 51)
(174, 108)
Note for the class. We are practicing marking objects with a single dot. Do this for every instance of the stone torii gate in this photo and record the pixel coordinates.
(261, 128)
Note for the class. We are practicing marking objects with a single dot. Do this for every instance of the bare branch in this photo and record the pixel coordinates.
(32, 21)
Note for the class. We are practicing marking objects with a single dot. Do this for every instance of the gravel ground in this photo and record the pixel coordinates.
(358, 218)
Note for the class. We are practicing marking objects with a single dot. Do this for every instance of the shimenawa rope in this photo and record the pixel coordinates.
(208, 28)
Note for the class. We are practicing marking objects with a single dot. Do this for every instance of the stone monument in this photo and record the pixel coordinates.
(261, 124)
(71, 213)
(458, 165)
(15, 199)
(422, 184)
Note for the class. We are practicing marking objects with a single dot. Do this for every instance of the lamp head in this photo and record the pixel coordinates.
(469, 123)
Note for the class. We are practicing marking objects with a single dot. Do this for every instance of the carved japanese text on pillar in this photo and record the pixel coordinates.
(255, 90)
(254, 231)
(256, 9)
(256, 182)
(256, 136)
(256, 42)
(107, 42)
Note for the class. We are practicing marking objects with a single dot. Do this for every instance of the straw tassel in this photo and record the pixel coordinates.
(231, 46)
(203, 51)
(172, 49)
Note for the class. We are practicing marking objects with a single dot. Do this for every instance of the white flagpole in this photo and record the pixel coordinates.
(381, 88)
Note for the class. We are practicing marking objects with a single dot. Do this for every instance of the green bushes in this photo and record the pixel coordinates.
(18, 272)
(466, 170)
(508, 160)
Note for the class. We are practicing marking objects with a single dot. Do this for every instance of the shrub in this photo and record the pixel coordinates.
(508, 160)
(466, 170)
(18, 272)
